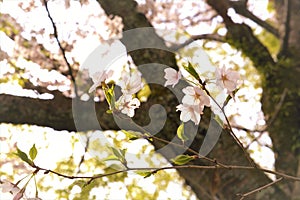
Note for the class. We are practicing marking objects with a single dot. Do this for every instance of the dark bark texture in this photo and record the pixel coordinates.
(280, 101)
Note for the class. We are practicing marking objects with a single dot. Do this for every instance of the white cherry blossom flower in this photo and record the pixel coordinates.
(195, 96)
(130, 84)
(227, 79)
(7, 186)
(172, 76)
(190, 112)
(127, 105)
(99, 77)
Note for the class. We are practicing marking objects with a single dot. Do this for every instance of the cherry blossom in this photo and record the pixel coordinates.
(227, 78)
(7, 186)
(126, 104)
(190, 112)
(195, 96)
(172, 76)
(99, 77)
(130, 84)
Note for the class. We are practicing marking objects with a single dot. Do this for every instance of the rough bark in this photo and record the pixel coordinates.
(59, 114)
(281, 88)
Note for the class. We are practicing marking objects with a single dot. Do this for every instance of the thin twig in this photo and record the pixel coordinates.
(229, 126)
(85, 151)
(156, 169)
(259, 189)
(213, 161)
(62, 49)
(214, 37)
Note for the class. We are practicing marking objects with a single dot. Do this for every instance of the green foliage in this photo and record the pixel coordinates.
(191, 70)
(132, 135)
(145, 174)
(110, 96)
(23, 156)
(33, 152)
(180, 133)
(182, 159)
(119, 154)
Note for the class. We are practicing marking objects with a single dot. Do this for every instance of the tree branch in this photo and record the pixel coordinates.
(259, 189)
(241, 8)
(214, 37)
(285, 42)
(62, 49)
(241, 37)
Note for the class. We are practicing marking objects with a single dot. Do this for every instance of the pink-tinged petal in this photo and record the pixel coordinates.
(172, 76)
(99, 77)
(127, 105)
(18, 196)
(227, 79)
(130, 84)
(195, 96)
(190, 112)
(189, 90)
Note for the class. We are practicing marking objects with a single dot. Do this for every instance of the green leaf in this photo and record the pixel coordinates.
(132, 135)
(114, 168)
(23, 156)
(190, 69)
(33, 152)
(145, 174)
(111, 157)
(110, 96)
(119, 154)
(182, 159)
(123, 151)
(180, 133)
(109, 111)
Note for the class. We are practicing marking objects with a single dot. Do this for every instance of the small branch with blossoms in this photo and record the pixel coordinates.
(179, 162)
(196, 98)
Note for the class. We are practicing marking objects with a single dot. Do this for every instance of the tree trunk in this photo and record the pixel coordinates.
(280, 104)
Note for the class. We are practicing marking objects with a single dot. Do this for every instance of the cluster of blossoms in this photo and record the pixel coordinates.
(14, 190)
(196, 98)
(130, 84)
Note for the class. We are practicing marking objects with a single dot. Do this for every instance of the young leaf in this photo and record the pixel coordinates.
(119, 154)
(180, 133)
(33, 152)
(190, 69)
(110, 96)
(145, 174)
(114, 168)
(132, 135)
(111, 157)
(182, 159)
(23, 156)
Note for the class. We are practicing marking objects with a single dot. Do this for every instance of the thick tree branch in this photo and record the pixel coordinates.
(241, 8)
(241, 37)
(285, 42)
